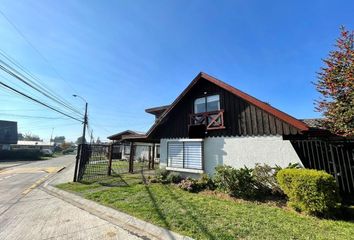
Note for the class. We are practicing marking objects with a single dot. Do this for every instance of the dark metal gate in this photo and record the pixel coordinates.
(93, 161)
(100, 160)
(334, 157)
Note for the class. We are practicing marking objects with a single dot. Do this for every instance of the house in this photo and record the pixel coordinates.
(212, 123)
(143, 150)
(38, 145)
(8, 134)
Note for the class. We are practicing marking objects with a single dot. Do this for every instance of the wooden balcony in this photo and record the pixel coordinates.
(213, 120)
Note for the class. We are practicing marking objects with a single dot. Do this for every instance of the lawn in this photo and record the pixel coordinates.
(205, 215)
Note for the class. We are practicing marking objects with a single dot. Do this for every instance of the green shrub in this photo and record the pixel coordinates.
(174, 177)
(68, 151)
(197, 185)
(205, 182)
(236, 182)
(265, 180)
(161, 175)
(20, 154)
(308, 190)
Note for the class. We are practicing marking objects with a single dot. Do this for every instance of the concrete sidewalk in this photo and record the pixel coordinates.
(129, 223)
(33, 213)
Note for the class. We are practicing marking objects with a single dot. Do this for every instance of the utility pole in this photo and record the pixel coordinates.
(83, 139)
(51, 136)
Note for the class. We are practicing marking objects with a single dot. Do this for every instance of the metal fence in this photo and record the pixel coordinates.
(101, 160)
(334, 157)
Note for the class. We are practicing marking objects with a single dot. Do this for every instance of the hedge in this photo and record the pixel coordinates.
(20, 154)
(311, 191)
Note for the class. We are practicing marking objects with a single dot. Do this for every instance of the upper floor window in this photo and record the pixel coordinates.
(207, 104)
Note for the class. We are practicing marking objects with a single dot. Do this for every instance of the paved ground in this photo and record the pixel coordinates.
(27, 212)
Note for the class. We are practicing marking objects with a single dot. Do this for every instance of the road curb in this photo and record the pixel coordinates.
(132, 224)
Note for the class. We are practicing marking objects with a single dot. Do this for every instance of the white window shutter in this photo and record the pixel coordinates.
(193, 155)
(185, 154)
(175, 154)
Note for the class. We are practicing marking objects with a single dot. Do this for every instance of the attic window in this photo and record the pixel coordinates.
(207, 104)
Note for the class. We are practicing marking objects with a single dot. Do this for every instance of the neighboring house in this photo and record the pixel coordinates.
(8, 134)
(212, 123)
(39, 145)
(143, 150)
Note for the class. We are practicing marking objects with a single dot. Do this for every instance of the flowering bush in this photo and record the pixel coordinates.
(197, 185)
(188, 184)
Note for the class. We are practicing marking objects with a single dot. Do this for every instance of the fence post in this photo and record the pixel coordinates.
(110, 154)
(77, 162)
(131, 158)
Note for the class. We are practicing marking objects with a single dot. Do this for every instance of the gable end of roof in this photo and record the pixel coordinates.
(252, 100)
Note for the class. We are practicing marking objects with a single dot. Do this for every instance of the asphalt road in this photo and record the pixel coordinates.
(28, 212)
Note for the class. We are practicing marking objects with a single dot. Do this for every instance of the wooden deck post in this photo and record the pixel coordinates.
(110, 155)
(153, 156)
(131, 158)
(149, 157)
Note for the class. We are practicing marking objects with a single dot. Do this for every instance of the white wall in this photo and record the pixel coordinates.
(163, 153)
(141, 151)
(242, 151)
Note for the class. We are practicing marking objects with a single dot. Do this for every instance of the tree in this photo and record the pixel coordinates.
(59, 139)
(65, 145)
(28, 137)
(79, 140)
(20, 136)
(336, 86)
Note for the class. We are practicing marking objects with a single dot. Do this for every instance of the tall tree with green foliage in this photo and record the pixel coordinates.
(336, 85)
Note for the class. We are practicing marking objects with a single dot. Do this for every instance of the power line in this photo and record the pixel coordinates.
(34, 48)
(37, 101)
(45, 88)
(29, 116)
(17, 64)
(20, 78)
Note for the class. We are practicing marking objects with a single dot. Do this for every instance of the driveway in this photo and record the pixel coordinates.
(28, 212)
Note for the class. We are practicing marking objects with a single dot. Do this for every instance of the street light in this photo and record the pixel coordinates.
(83, 134)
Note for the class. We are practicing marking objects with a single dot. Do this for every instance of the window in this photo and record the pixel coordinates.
(185, 154)
(207, 104)
(157, 151)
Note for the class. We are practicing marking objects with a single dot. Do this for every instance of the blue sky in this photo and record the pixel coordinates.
(125, 56)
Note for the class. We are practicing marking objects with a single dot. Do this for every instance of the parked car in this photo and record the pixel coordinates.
(47, 152)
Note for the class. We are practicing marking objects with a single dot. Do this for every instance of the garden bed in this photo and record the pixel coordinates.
(207, 215)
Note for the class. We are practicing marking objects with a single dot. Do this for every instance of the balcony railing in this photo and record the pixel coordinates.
(213, 120)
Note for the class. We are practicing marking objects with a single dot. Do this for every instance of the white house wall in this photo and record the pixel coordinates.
(141, 152)
(242, 151)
